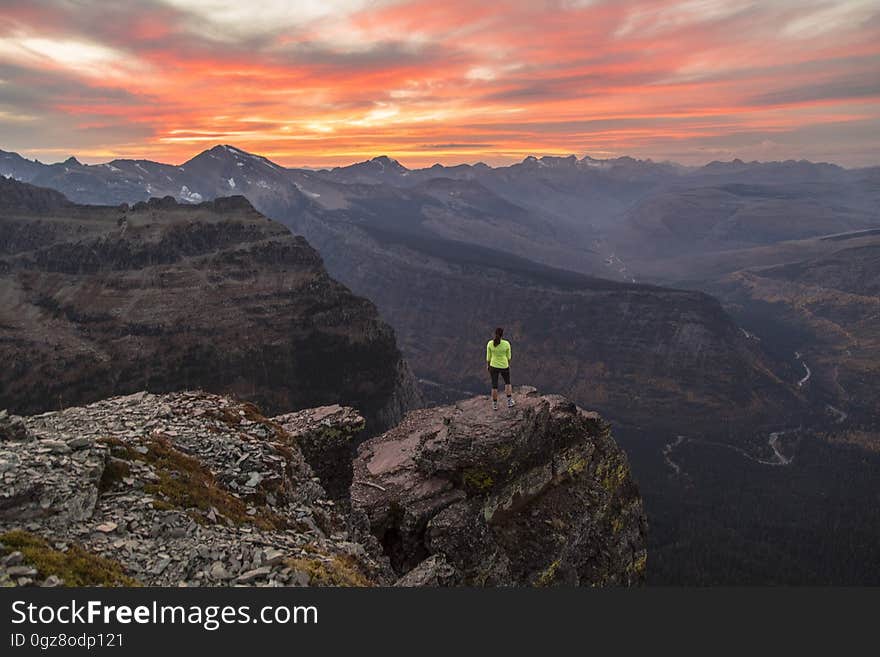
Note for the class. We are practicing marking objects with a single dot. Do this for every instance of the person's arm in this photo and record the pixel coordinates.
(488, 356)
(509, 353)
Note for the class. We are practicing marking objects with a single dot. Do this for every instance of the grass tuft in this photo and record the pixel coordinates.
(76, 566)
(339, 570)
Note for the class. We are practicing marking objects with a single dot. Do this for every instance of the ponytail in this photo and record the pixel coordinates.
(498, 333)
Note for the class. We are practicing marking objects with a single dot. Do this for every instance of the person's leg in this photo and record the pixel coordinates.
(493, 372)
(508, 389)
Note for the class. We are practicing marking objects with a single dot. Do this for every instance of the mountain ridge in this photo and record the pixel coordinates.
(585, 160)
(102, 300)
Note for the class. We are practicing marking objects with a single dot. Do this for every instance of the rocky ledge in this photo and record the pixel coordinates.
(179, 489)
(539, 494)
(196, 489)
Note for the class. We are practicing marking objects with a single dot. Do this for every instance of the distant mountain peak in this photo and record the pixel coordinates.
(559, 160)
(234, 150)
(226, 150)
(389, 163)
(229, 153)
(550, 161)
(380, 165)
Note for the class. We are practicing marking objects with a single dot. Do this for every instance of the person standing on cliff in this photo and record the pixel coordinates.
(498, 362)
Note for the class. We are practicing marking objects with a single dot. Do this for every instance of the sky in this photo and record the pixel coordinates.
(328, 82)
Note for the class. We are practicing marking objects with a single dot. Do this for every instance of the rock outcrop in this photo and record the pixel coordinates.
(12, 427)
(100, 301)
(178, 489)
(327, 437)
(535, 495)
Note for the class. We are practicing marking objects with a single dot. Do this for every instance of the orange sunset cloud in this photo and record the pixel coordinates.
(325, 83)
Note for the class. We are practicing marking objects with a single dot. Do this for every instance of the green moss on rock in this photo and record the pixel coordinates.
(612, 475)
(577, 466)
(76, 566)
(477, 481)
(641, 564)
(547, 577)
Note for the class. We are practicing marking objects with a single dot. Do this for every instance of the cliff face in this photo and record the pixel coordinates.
(99, 301)
(534, 495)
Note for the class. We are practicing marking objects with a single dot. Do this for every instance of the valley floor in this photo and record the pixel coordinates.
(797, 518)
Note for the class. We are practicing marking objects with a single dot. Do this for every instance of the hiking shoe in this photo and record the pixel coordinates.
(494, 405)
(510, 402)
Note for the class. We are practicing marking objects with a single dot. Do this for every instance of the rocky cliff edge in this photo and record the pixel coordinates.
(196, 489)
(539, 494)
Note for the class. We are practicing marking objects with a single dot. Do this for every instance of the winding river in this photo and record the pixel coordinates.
(778, 459)
(807, 372)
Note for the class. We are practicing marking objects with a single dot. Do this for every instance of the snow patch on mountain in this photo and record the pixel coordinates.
(306, 192)
(189, 196)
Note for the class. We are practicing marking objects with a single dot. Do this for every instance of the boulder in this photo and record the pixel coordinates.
(12, 427)
(433, 571)
(327, 438)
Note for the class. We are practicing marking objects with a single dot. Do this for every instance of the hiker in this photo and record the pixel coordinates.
(498, 362)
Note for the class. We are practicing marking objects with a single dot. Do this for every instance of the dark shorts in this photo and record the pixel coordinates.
(505, 374)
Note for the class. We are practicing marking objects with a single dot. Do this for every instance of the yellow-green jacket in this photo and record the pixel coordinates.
(499, 356)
